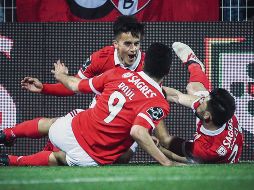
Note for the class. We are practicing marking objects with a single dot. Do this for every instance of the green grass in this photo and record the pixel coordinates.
(154, 177)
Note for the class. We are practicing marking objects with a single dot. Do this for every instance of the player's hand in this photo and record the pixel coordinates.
(60, 70)
(156, 141)
(31, 84)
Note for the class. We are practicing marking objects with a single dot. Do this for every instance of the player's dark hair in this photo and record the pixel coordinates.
(158, 60)
(124, 24)
(221, 106)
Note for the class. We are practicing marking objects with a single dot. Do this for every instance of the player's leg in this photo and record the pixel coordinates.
(43, 158)
(198, 81)
(126, 157)
(62, 137)
(35, 128)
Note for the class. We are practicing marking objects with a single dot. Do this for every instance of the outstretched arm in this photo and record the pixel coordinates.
(178, 97)
(142, 137)
(61, 75)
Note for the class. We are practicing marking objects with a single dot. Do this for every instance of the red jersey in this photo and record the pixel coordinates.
(99, 62)
(223, 145)
(126, 98)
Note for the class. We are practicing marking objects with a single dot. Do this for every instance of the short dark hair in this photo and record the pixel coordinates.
(124, 24)
(158, 60)
(221, 106)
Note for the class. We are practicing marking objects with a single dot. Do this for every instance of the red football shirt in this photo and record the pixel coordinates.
(223, 145)
(126, 98)
(99, 62)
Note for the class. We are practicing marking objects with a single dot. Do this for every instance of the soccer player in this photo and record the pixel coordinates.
(129, 106)
(218, 137)
(125, 53)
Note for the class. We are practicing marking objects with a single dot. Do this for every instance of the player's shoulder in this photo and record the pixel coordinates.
(104, 52)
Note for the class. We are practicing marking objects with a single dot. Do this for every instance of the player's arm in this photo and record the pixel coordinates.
(141, 135)
(35, 85)
(61, 75)
(178, 97)
(171, 155)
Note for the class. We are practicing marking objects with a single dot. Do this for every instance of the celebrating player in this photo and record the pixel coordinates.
(125, 53)
(218, 137)
(129, 106)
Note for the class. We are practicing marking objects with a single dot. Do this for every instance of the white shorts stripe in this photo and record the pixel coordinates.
(147, 119)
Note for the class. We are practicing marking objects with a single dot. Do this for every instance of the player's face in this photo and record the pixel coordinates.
(127, 47)
(202, 112)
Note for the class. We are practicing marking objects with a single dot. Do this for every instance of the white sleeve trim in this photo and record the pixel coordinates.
(81, 75)
(147, 119)
(92, 87)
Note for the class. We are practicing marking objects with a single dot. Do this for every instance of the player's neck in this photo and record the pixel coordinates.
(210, 126)
(159, 81)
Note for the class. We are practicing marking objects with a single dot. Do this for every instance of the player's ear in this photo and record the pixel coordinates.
(207, 117)
(115, 44)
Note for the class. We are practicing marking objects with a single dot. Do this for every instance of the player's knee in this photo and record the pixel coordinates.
(125, 158)
(44, 125)
(52, 160)
(57, 159)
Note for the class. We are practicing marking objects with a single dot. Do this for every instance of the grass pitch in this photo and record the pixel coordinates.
(129, 177)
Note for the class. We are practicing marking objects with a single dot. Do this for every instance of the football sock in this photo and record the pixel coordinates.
(37, 159)
(24, 129)
(50, 147)
(197, 75)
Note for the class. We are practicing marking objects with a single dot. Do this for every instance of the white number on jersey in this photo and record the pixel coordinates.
(114, 109)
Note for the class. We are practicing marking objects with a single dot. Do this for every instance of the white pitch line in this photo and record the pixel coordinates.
(123, 179)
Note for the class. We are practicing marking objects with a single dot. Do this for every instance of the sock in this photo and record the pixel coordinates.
(24, 129)
(197, 75)
(50, 147)
(37, 159)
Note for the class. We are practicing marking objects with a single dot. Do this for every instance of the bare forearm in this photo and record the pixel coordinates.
(142, 137)
(69, 82)
(173, 156)
(187, 100)
(178, 97)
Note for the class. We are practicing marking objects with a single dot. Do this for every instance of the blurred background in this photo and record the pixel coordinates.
(107, 10)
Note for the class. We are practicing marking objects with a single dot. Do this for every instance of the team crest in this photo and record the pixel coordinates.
(155, 113)
(127, 75)
(222, 151)
(130, 7)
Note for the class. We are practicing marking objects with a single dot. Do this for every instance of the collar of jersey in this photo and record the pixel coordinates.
(132, 67)
(212, 133)
(150, 81)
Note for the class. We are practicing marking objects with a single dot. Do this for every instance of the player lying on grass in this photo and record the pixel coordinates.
(129, 106)
(218, 137)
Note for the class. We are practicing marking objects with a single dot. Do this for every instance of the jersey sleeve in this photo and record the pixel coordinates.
(57, 89)
(91, 67)
(95, 84)
(199, 152)
(151, 114)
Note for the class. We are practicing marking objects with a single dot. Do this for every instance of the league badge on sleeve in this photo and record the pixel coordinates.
(86, 64)
(156, 113)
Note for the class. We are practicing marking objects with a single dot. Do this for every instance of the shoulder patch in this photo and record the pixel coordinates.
(86, 64)
(156, 113)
